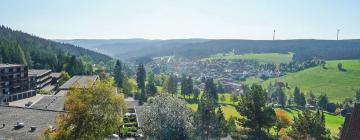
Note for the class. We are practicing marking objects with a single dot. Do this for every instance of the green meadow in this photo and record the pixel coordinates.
(337, 84)
(260, 57)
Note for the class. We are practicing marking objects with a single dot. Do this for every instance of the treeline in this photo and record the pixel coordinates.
(303, 49)
(294, 66)
(22, 48)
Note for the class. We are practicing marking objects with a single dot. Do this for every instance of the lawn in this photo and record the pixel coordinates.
(337, 84)
(229, 110)
(260, 57)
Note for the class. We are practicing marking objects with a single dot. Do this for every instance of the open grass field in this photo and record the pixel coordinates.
(260, 57)
(337, 84)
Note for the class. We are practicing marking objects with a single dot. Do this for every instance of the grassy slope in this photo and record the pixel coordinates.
(336, 84)
(262, 58)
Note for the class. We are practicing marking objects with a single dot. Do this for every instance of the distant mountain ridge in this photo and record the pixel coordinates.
(304, 49)
(129, 48)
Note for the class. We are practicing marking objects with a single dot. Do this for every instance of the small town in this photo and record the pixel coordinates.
(179, 70)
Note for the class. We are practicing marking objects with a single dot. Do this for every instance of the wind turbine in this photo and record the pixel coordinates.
(274, 35)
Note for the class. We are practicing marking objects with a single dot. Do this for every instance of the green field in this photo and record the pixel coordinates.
(260, 57)
(337, 84)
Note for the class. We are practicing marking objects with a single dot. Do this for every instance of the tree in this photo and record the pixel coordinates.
(258, 117)
(118, 74)
(357, 96)
(309, 124)
(340, 67)
(222, 98)
(94, 113)
(129, 86)
(312, 99)
(282, 121)
(140, 79)
(171, 84)
(196, 94)
(221, 128)
(210, 90)
(234, 98)
(190, 86)
(184, 85)
(299, 98)
(302, 100)
(281, 97)
(167, 117)
(205, 115)
(64, 77)
(323, 101)
(220, 88)
(151, 89)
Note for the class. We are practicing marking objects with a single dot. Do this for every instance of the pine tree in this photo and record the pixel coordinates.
(221, 127)
(258, 116)
(184, 85)
(302, 100)
(171, 84)
(140, 79)
(281, 98)
(309, 124)
(190, 86)
(299, 97)
(196, 94)
(151, 89)
(118, 74)
(323, 101)
(206, 112)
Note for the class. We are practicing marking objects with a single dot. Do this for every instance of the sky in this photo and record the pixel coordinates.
(170, 19)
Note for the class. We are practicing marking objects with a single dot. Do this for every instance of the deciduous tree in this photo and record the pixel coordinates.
(166, 117)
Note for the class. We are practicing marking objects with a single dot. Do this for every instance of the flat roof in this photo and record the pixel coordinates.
(55, 74)
(38, 72)
(30, 117)
(50, 102)
(11, 65)
(83, 82)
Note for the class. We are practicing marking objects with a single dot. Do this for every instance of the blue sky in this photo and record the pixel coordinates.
(167, 19)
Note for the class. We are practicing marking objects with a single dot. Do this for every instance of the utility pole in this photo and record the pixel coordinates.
(337, 34)
(274, 35)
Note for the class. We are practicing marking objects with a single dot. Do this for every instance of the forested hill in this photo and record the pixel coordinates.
(303, 49)
(36, 52)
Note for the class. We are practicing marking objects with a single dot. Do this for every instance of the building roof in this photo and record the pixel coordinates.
(50, 102)
(351, 128)
(83, 82)
(30, 117)
(55, 75)
(10, 65)
(38, 72)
